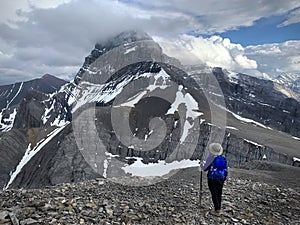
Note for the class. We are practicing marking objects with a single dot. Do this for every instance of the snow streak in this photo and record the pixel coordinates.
(30, 153)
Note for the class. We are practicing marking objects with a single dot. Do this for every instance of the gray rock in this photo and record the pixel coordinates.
(29, 221)
(14, 219)
(3, 215)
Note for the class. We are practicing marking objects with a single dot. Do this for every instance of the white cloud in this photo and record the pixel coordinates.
(47, 36)
(261, 60)
(57, 39)
(218, 16)
(12, 11)
(245, 63)
(214, 52)
(277, 58)
(294, 17)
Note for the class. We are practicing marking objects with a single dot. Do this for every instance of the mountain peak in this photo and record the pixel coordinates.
(126, 41)
(122, 38)
(52, 79)
(125, 37)
(133, 35)
(47, 75)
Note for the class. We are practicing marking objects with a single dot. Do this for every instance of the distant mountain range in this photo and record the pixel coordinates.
(131, 104)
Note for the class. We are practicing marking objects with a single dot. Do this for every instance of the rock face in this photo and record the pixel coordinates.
(58, 162)
(12, 148)
(173, 201)
(35, 106)
(257, 99)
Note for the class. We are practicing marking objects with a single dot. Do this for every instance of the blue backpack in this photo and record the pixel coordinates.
(218, 168)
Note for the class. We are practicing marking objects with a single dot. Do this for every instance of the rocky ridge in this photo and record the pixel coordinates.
(173, 201)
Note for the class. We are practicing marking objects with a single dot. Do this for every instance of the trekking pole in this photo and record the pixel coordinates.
(200, 193)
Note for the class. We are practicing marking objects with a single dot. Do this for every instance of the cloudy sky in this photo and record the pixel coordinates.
(54, 36)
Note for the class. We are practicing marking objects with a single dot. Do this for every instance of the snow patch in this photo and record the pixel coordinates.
(8, 122)
(112, 93)
(88, 92)
(59, 122)
(85, 93)
(176, 123)
(252, 95)
(45, 117)
(187, 126)
(106, 162)
(249, 121)
(215, 94)
(232, 128)
(161, 75)
(130, 50)
(190, 104)
(19, 90)
(186, 99)
(295, 159)
(265, 104)
(89, 71)
(233, 77)
(138, 168)
(254, 143)
(135, 99)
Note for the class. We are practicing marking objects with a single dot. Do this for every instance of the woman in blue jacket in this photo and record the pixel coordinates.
(216, 165)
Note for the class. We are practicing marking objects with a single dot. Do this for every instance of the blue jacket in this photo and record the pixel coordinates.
(216, 167)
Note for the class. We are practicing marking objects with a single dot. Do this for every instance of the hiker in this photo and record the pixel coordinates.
(216, 165)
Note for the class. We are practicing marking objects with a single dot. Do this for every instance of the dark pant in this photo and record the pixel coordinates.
(215, 187)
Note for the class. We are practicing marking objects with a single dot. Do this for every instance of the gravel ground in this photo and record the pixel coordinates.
(173, 201)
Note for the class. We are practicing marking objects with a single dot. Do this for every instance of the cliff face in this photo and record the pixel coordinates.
(256, 99)
(12, 148)
(240, 152)
(61, 161)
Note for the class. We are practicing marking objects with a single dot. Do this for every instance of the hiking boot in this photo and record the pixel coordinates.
(218, 213)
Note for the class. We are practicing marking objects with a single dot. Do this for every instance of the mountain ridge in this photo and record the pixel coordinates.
(118, 78)
(12, 95)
